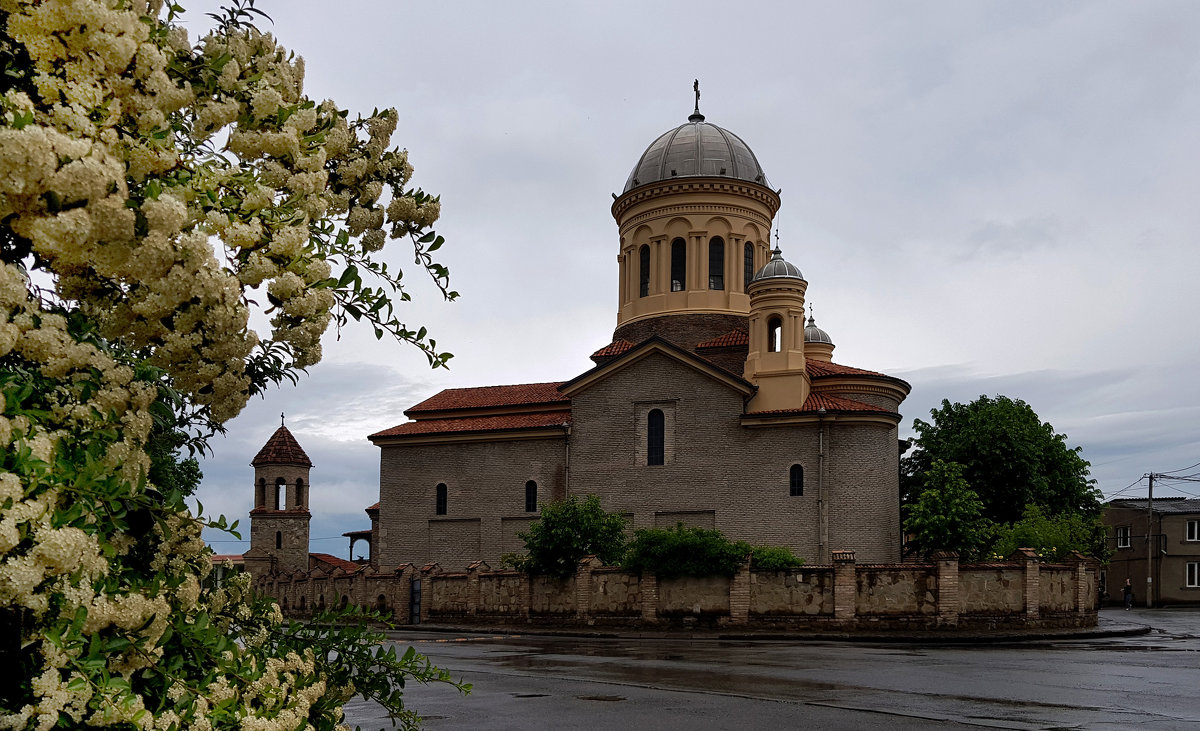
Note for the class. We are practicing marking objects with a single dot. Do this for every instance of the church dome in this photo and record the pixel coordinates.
(814, 334)
(696, 149)
(777, 268)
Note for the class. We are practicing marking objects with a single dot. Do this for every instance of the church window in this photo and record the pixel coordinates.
(716, 263)
(655, 437)
(303, 604)
(774, 334)
(441, 498)
(644, 271)
(280, 489)
(747, 265)
(300, 501)
(531, 497)
(796, 481)
(678, 265)
(260, 495)
(279, 539)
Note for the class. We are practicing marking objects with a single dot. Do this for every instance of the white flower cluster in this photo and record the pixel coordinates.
(158, 245)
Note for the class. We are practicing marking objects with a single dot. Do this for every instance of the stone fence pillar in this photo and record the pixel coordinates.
(429, 573)
(845, 587)
(948, 604)
(739, 594)
(649, 586)
(1032, 583)
(402, 593)
(583, 586)
(1084, 599)
(473, 586)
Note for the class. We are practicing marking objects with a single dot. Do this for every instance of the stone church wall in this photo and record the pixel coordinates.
(485, 484)
(1019, 593)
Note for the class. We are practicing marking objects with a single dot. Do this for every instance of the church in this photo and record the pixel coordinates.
(717, 403)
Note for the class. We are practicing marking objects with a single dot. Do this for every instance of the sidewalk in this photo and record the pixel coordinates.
(1111, 624)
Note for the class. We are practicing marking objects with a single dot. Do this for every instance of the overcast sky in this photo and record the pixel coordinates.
(985, 198)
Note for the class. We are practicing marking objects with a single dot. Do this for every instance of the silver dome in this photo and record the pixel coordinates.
(777, 268)
(696, 149)
(814, 334)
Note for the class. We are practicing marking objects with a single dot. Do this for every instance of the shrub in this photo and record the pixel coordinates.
(773, 558)
(684, 551)
(568, 530)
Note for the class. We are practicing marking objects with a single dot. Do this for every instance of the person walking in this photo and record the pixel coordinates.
(1128, 594)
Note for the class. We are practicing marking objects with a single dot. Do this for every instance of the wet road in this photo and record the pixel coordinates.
(531, 682)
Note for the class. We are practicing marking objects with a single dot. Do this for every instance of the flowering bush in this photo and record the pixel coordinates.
(153, 192)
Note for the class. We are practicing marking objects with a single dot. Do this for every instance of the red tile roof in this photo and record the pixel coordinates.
(818, 401)
(281, 448)
(616, 347)
(491, 396)
(821, 368)
(220, 558)
(341, 563)
(503, 422)
(728, 340)
(373, 507)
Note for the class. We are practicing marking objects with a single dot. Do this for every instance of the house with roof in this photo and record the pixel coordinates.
(1168, 532)
(716, 403)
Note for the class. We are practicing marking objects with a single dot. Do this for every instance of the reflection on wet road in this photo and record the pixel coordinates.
(569, 683)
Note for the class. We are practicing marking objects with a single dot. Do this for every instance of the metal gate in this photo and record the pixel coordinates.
(414, 603)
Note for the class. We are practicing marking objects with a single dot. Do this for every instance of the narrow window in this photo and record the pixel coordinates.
(1122, 536)
(655, 432)
(303, 604)
(796, 481)
(1193, 574)
(260, 496)
(774, 334)
(280, 489)
(441, 498)
(716, 263)
(381, 603)
(644, 271)
(321, 601)
(678, 265)
(300, 497)
(1193, 530)
(747, 266)
(279, 539)
(531, 497)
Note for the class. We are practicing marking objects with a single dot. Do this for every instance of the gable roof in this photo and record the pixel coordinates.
(1161, 504)
(656, 344)
(335, 562)
(281, 448)
(470, 424)
(483, 397)
(616, 347)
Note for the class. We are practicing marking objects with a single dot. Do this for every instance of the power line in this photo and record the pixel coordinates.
(1181, 469)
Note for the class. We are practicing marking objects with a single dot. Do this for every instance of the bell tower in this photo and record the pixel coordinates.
(775, 361)
(280, 518)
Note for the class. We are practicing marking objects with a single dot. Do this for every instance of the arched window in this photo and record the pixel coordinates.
(301, 498)
(302, 604)
(285, 604)
(747, 265)
(280, 490)
(381, 603)
(774, 334)
(320, 602)
(345, 602)
(716, 263)
(644, 271)
(655, 433)
(441, 499)
(260, 494)
(796, 481)
(678, 265)
(279, 539)
(531, 497)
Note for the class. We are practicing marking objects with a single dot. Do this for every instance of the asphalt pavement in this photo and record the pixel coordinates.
(1138, 668)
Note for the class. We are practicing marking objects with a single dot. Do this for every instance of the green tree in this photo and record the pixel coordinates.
(565, 532)
(157, 192)
(948, 515)
(1053, 537)
(1008, 456)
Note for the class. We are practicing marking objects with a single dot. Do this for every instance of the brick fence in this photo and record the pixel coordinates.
(940, 594)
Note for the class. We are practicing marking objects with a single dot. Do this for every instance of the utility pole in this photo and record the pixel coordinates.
(1149, 543)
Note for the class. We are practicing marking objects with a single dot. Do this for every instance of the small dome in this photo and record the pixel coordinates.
(814, 334)
(696, 149)
(777, 268)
